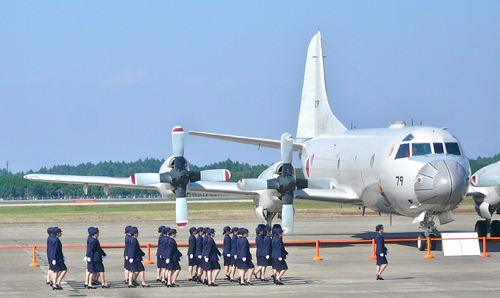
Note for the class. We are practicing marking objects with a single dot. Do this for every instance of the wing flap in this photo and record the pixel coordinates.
(337, 195)
(89, 180)
(218, 188)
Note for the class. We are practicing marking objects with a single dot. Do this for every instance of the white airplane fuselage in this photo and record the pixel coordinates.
(434, 179)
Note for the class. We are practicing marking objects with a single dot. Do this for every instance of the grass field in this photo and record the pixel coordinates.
(34, 214)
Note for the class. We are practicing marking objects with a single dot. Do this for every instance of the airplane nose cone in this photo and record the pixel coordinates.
(441, 182)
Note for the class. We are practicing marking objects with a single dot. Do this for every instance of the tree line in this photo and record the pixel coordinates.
(13, 186)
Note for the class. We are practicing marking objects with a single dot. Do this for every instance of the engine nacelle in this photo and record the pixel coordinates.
(273, 171)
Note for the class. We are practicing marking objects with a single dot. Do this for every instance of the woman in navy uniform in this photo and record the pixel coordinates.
(211, 259)
(259, 244)
(96, 253)
(172, 258)
(226, 251)
(162, 251)
(279, 255)
(245, 258)
(135, 255)
(49, 272)
(159, 266)
(191, 253)
(126, 264)
(381, 251)
(56, 259)
(234, 259)
(199, 250)
(266, 252)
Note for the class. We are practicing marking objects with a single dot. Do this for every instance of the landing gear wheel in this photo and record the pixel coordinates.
(422, 242)
(481, 228)
(495, 228)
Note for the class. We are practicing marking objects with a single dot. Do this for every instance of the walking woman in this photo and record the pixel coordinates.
(245, 258)
(381, 251)
(56, 259)
(96, 253)
(279, 255)
(211, 259)
(135, 255)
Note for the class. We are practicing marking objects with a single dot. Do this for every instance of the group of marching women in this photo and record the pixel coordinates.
(203, 257)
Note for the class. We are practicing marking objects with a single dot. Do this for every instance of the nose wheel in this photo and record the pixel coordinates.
(422, 242)
(481, 228)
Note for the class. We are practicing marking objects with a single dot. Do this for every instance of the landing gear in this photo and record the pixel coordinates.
(495, 228)
(269, 218)
(481, 228)
(422, 242)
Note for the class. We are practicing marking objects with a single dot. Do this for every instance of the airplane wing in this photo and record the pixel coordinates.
(276, 144)
(125, 182)
(337, 195)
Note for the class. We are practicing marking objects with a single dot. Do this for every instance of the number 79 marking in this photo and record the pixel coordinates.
(399, 180)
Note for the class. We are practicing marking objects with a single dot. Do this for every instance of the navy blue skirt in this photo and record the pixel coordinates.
(234, 261)
(199, 262)
(173, 265)
(279, 265)
(381, 260)
(227, 261)
(59, 266)
(262, 261)
(96, 267)
(192, 262)
(245, 265)
(136, 267)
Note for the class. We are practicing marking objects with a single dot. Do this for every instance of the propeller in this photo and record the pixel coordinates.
(180, 177)
(286, 183)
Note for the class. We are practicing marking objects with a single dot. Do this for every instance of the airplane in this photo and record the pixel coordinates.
(418, 172)
(485, 190)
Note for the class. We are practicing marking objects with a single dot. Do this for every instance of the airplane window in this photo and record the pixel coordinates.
(438, 148)
(408, 138)
(403, 151)
(452, 148)
(421, 149)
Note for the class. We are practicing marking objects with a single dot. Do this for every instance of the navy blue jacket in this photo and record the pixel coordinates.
(162, 247)
(234, 244)
(54, 251)
(94, 250)
(171, 252)
(135, 252)
(127, 245)
(379, 241)
(191, 246)
(210, 250)
(159, 241)
(267, 246)
(226, 250)
(278, 248)
(259, 243)
(199, 245)
(243, 249)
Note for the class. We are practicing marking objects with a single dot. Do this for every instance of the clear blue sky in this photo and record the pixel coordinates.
(96, 81)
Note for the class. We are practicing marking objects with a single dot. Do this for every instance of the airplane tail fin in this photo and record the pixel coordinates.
(316, 117)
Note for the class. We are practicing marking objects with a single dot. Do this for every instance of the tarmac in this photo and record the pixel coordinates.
(345, 270)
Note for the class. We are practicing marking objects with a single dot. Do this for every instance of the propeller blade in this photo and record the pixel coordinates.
(178, 141)
(286, 148)
(321, 183)
(181, 207)
(145, 178)
(252, 184)
(287, 213)
(215, 175)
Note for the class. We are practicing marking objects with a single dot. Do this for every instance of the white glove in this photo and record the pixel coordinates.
(199, 257)
(131, 261)
(267, 257)
(235, 257)
(381, 254)
(206, 259)
(280, 259)
(228, 255)
(387, 252)
(106, 257)
(126, 257)
(89, 260)
(54, 262)
(168, 261)
(191, 256)
(85, 259)
(244, 259)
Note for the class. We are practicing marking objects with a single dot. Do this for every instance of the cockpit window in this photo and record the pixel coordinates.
(403, 151)
(421, 149)
(453, 148)
(438, 148)
(408, 138)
